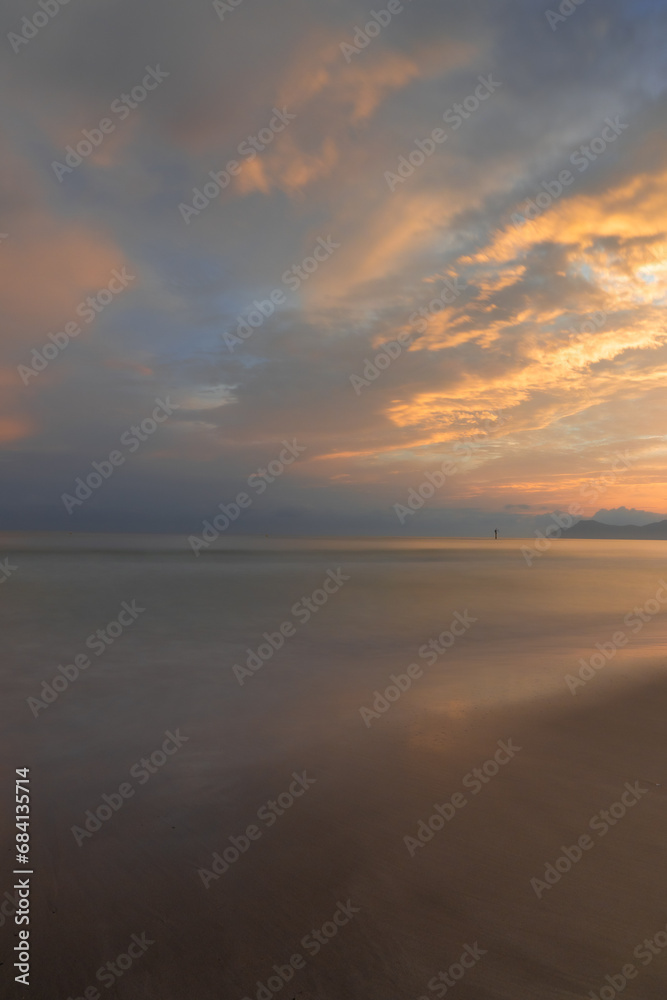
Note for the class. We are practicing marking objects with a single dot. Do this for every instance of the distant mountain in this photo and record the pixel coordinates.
(627, 515)
(596, 529)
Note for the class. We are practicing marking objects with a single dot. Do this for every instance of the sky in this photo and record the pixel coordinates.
(224, 213)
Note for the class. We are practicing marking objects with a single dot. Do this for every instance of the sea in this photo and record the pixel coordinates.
(376, 670)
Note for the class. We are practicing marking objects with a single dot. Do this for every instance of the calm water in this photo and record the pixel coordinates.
(203, 614)
(172, 666)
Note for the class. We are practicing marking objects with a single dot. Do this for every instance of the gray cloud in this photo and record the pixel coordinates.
(511, 342)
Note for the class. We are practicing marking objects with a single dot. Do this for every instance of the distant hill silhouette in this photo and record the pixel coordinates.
(596, 529)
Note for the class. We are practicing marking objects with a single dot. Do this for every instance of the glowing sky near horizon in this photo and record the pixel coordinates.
(552, 355)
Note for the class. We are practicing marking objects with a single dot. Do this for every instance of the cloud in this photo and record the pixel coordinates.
(558, 325)
(623, 516)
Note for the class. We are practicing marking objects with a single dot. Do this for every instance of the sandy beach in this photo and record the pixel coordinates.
(344, 842)
(195, 836)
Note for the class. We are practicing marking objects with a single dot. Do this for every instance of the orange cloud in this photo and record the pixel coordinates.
(15, 423)
(47, 269)
(14, 428)
(287, 167)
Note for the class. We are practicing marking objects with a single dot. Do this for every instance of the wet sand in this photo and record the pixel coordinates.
(343, 840)
(333, 861)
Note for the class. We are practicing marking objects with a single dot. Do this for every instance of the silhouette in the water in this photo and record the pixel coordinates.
(495, 532)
